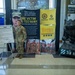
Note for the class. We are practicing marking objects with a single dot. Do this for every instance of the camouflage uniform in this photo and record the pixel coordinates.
(20, 37)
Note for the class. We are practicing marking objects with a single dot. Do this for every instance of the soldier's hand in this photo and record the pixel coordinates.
(22, 40)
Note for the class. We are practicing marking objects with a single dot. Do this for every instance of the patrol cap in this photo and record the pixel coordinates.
(16, 14)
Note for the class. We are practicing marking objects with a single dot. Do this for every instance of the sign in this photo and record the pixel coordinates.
(31, 21)
(6, 34)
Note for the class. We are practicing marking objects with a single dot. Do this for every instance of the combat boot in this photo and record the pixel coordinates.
(21, 56)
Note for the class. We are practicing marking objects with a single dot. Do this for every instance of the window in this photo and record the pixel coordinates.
(2, 6)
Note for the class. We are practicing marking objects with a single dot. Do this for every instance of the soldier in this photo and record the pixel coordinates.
(19, 36)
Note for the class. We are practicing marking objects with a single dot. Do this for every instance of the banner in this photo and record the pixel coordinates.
(47, 31)
(48, 16)
(47, 24)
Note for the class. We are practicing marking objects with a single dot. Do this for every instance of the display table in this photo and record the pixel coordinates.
(67, 49)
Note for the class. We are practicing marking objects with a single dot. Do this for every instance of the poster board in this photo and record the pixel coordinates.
(31, 21)
(6, 34)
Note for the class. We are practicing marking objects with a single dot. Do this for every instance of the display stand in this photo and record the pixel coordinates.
(6, 36)
(68, 47)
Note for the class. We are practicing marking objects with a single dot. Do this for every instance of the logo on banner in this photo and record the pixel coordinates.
(51, 17)
(44, 16)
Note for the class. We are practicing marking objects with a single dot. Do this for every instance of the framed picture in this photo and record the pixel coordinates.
(33, 4)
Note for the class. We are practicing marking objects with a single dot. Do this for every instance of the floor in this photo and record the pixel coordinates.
(43, 64)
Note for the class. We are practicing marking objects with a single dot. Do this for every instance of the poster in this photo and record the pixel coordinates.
(33, 46)
(48, 16)
(47, 46)
(31, 21)
(47, 31)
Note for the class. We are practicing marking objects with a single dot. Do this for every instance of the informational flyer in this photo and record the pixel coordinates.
(47, 31)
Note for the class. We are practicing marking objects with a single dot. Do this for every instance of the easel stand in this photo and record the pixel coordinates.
(3, 48)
